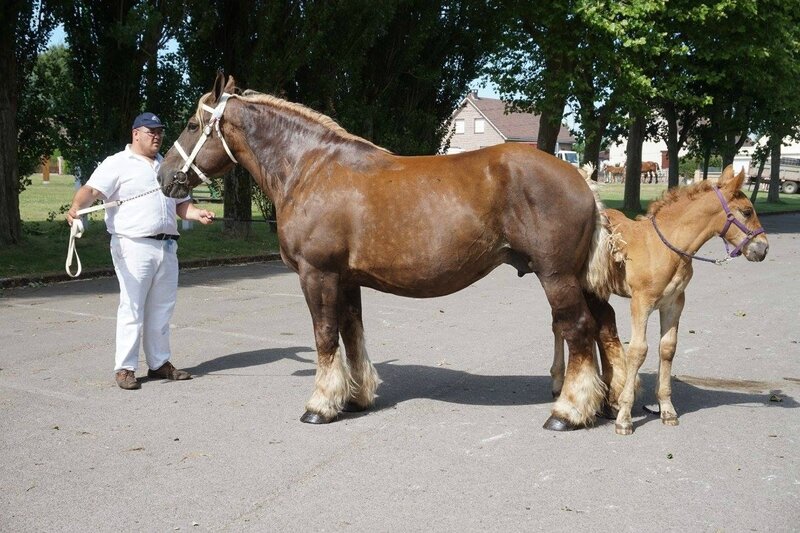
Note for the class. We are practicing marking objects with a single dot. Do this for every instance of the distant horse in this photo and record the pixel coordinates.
(650, 171)
(616, 174)
(352, 215)
(652, 265)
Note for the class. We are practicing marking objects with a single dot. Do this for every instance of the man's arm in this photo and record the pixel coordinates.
(188, 211)
(84, 197)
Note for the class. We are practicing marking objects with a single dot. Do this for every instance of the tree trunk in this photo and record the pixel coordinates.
(633, 165)
(593, 130)
(775, 169)
(757, 184)
(10, 224)
(549, 127)
(238, 202)
(673, 145)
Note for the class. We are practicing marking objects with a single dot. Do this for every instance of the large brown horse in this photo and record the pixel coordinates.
(352, 215)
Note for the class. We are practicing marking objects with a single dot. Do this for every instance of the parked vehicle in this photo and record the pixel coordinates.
(789, 174)
(568, 156)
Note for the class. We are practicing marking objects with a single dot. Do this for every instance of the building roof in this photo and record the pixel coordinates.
(514, 126)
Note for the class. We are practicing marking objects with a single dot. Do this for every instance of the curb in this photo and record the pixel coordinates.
(46, 279)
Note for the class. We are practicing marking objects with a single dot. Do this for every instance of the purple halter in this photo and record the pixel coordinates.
(730, 219)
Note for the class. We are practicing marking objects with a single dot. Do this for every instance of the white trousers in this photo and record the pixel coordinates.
(147, 271)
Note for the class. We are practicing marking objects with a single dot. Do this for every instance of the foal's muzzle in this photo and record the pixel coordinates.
(756, 251)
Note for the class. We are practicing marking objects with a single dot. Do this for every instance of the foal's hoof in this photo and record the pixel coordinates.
(353, 407)
(314, 418)
(557, 424)
(669, 420)
(623, 429)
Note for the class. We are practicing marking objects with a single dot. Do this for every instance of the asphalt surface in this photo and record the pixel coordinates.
(455, 441)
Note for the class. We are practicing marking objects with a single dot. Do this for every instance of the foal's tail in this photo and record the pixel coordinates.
(597, 274)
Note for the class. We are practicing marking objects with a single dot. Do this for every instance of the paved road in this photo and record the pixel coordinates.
(455, 442)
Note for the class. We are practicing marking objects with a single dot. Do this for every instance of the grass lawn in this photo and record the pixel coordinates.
(46, 234)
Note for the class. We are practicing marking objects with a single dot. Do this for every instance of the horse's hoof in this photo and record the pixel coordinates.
(670, 420)
(353, 407)
(557, 424)
(623, 429)
(314, 418)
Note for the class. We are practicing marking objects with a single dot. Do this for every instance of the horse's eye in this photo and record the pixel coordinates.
(192, 126)
(746, 213)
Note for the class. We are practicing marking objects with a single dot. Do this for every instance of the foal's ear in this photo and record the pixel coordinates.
(729, 181)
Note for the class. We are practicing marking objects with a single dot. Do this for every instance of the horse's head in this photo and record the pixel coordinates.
(740, 226)
(201, 148)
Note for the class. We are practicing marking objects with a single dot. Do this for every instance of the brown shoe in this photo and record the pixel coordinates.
(126, 379)
(167, 371)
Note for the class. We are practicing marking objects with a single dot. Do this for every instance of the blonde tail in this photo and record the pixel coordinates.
(599, 265)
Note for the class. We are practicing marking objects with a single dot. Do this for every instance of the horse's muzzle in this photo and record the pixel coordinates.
(756, 251)
(177, 187)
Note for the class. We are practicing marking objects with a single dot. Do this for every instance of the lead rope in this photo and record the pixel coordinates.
(76, 231)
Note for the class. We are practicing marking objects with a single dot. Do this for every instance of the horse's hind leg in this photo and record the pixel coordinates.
(670, 316)
(332, 382)
(583, 390)
(362, 373)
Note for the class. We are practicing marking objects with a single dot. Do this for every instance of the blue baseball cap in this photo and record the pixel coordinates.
(147, 120)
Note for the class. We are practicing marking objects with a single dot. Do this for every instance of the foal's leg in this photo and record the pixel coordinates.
(363, 375)
(670, 316)
(332, 383)
(634, 357)
(583, 391)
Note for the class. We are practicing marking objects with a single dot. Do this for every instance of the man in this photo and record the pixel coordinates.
(144, 242)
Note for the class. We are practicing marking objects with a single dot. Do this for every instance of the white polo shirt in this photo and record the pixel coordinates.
(125, 175)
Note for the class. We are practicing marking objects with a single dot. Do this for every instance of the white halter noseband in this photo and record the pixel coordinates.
(216, 115)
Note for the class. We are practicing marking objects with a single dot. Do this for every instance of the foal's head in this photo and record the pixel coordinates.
(740, 226)
(205, 146)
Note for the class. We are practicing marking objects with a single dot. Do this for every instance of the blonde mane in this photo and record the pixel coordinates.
(325, 121)
(670, 196)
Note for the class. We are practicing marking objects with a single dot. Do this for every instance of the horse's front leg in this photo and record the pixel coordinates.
(583, 391)
(634, 358)
(670, 317)
(363, 374)
(332, 384)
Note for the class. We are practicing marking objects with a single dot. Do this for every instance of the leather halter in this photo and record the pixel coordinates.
(216, 115)
(730, 219)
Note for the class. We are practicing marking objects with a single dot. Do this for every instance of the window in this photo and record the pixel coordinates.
(480, 125)
(459, 126)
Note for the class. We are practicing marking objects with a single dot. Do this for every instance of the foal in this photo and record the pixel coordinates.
(652, 265)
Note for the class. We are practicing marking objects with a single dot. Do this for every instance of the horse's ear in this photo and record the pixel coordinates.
(729, 181)
(230, 87)
(219, 84)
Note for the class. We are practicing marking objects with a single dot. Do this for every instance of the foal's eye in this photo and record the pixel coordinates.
(746, 213)
(192, 126)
